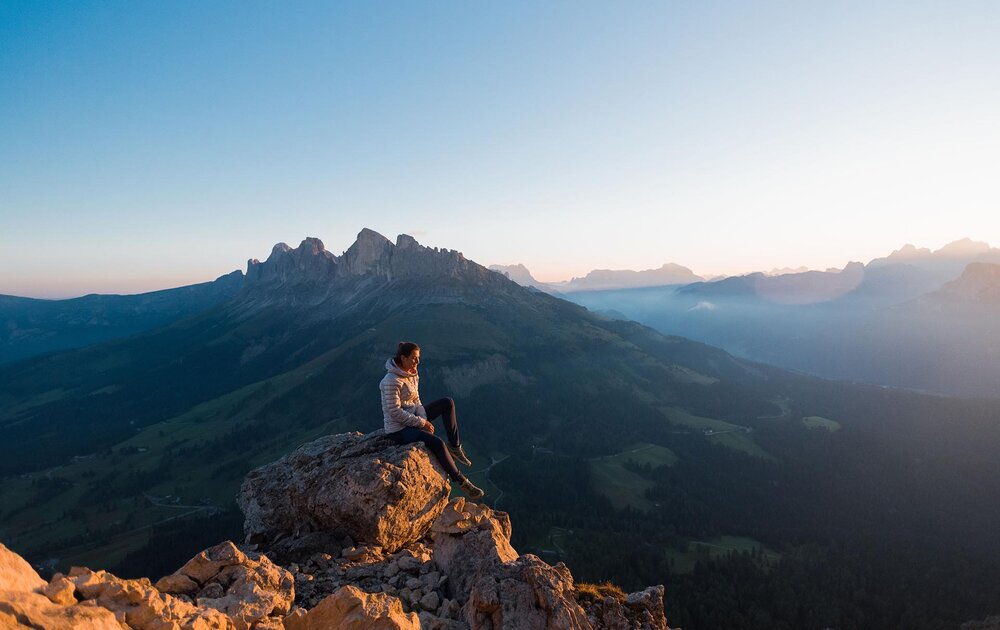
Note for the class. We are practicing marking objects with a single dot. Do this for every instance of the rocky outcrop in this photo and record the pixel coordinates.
(139, 605)
(25, 601)
(350, 608)
(525, 593)
(638, 611)
(16, 574)
(362, 486)
(247, 587)
(470, 539)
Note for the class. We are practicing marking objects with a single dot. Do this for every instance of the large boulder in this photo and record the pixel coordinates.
(362, 486)
(525, 593)
(470, 539)
(350, 608)
(247, 587)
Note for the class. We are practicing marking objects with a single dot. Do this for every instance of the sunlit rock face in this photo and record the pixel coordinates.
(362, 486)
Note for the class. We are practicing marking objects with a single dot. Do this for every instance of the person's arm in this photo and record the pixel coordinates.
(390, 404)
(420, 411)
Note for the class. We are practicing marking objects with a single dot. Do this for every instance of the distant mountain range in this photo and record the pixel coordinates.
(603, 279)
(917, 318)
(904, 274)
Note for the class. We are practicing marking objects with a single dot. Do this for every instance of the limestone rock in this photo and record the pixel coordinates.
(430, 622)
(141, 606)
(350, 608)
(470, 539)
(16, 574)
(22, 604)
(177, 584)
(247, 587)
(60, 590)
(642, 610)
(364, 486)
(525, 593)
(24, 609)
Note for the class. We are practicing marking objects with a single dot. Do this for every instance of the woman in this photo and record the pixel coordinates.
(407, 420)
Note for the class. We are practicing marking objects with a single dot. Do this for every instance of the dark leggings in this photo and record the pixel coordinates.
(445, 408)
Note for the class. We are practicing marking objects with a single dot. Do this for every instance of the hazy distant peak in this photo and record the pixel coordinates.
(518, 273)
(909, 251)
(964, 247)
(978, 284)
(604, 279)
(780, 271)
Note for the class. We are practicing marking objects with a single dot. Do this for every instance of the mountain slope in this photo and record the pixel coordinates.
(29, 326)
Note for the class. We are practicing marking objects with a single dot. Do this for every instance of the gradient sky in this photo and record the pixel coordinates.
(146, 145)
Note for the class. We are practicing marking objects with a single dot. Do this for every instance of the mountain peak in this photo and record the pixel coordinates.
(979, 283)
(368, 254)
(312, 268)
(964, 247)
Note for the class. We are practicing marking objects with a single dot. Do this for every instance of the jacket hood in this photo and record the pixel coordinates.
(392, 368)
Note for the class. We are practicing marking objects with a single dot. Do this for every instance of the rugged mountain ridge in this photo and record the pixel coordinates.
(392, 551)
(310, 269)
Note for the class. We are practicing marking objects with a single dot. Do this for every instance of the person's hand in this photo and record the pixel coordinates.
(428, 426)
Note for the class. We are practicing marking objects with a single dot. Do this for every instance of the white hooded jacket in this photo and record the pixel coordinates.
(401, 406)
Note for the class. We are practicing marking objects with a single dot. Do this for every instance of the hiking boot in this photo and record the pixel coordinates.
(470, 488)
(459, 455)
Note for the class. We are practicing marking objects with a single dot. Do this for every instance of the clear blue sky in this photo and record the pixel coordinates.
(146, 145)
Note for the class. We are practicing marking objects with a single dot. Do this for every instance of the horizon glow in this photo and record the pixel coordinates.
(149, 146)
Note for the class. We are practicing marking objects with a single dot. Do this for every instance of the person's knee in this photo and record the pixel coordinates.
(434, 441)
(451, 402)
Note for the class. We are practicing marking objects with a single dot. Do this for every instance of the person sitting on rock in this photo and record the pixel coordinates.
(407, 420)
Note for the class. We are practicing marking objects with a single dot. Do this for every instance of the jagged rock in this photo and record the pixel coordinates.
(525, 593)
(364, 486)
(429, 621)
(208, 563)
(23, 609)
(642, 610)
(212, 590)
(470, 539)
(247, 587)
(430, 601)
(177, 584)
(60, 590)
(142, 607)
(646, 608)
(23, 606)
(298, 549)
(352, 609)
(16, 574)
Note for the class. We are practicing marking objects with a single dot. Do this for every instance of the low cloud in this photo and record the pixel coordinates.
(703, 306)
